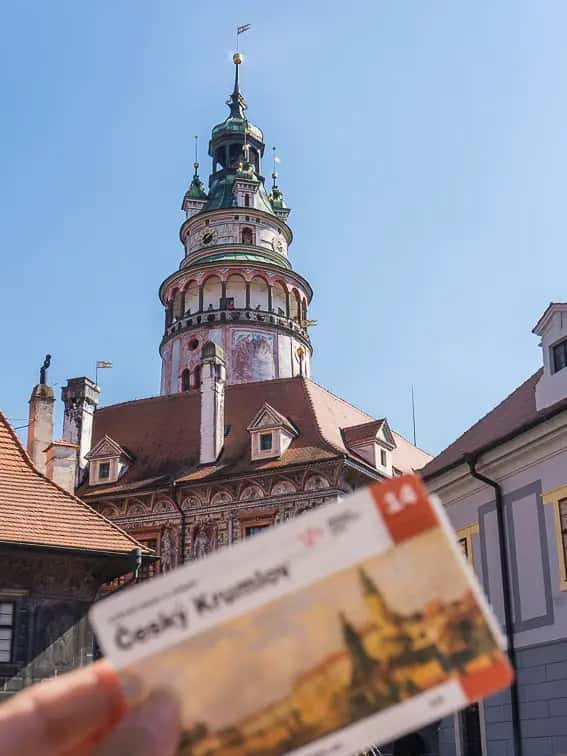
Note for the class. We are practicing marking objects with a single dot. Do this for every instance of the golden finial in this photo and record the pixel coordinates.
(237, 58)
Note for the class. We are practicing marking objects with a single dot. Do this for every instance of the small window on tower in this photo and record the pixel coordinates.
(383, 458)
(185, 380)
(103, 470)
(246, 200)
(247, 236)
(265, 441)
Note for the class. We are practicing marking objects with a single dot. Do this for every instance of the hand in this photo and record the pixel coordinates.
(84, 713)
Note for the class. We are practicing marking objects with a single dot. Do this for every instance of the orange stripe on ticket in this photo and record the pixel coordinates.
(404, 506)
(486, 681)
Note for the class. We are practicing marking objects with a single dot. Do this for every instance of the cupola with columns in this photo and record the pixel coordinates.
(235, 285)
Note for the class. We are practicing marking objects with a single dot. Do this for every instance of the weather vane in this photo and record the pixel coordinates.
(240, 30)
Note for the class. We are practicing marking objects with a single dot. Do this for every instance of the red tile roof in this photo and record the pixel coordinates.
(36, 511)
(162, 433)
(512, 416)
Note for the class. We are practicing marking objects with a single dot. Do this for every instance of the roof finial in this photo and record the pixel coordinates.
(236, 101)
(196, 163)
(276, 160)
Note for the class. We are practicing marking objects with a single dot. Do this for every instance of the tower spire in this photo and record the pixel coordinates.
(236, 101)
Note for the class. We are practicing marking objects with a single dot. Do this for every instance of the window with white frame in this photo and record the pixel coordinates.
(6, 631)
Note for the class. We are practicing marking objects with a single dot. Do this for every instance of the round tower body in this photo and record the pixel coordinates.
(235, 285)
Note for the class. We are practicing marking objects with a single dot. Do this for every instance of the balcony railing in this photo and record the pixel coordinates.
(234, 315)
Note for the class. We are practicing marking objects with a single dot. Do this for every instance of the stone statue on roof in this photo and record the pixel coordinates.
(43, 370)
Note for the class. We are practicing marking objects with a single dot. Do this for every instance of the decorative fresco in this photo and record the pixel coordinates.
(252, 356)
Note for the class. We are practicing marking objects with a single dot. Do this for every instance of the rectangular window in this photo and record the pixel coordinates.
(559, 355)
(250, 530)
(6, 631)
(103, 470)
(465, 540)
(265, 441)
(227, 303)
(557, 497)
(383, 458)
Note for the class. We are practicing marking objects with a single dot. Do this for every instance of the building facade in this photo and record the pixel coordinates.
(504, 485)
(56, 555)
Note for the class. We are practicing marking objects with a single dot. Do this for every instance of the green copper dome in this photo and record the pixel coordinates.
(196, 189)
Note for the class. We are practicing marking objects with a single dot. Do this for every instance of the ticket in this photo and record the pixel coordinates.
(343, 628)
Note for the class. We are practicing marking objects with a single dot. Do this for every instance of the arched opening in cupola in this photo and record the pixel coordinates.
(212, 293)
(191, 298)
(185, 380)
(279, 299)
(295, 306)
(235, 292)
(258, 294)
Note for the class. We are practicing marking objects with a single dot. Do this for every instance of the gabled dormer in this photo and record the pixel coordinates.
(373, 441)
(270, 433)
(552, 329)
(108, 461)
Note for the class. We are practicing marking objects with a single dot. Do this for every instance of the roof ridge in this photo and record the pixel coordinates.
(28, 461)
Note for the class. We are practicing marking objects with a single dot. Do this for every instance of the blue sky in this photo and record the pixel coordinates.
(424, 155)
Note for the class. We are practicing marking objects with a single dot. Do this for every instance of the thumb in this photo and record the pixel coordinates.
(152, 729)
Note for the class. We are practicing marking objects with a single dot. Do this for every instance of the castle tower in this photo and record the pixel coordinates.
(235, 285)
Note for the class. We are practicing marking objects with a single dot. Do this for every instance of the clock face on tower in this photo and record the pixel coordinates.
(208, 237)
(277, 245)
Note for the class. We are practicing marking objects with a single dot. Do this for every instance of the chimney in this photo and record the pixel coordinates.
(213, 377)
(62, 464)
(40, 427)
(80, 397)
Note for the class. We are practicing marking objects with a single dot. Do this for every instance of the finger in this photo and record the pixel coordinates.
(58, 715)
(153, 729)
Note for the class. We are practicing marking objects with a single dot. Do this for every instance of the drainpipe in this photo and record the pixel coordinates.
(183, 515)
(472, 460)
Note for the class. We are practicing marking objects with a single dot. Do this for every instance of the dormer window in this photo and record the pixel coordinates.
(559, 356)
(103, 470)
(372, 442)
(266, 441)
(552, 330)
(108, 461)
(270, 434)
